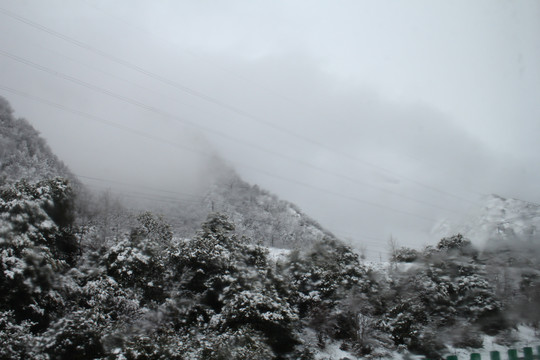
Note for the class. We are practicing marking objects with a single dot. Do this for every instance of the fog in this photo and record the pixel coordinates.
(376, 118)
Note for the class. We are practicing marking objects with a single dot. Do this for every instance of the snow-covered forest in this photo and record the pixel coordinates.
(240, 275)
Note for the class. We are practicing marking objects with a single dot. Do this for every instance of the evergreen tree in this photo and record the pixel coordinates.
(36, 246)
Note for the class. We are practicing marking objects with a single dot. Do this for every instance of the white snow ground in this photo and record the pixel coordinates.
(526, 335)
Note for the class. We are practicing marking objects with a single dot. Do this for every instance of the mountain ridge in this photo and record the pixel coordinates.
(24, 153)
(498, 222)
(257, 213)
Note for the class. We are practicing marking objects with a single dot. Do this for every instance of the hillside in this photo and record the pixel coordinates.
(257, 213)
(23, 153)
(261, 215)
(498, 222)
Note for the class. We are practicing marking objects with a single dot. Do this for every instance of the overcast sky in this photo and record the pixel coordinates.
(377, 118)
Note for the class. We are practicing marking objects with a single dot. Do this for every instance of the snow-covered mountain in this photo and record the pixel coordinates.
(23, 153)
(262, 216)
(97, 280)
(256, 213)
(498, 222)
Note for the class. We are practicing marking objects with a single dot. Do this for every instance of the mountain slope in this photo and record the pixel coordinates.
(499, 222)
(262, 216)
(23, 153)
(257, 214)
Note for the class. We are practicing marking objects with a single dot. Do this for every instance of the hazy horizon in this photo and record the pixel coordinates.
(376, 118)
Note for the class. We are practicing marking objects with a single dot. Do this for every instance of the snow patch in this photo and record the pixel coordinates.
(498, 220)
(277, 254)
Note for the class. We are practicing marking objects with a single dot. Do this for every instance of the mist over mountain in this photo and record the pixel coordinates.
(256, 213)
(267, 180)
(497, 222)
(185, 274)
(23, 152)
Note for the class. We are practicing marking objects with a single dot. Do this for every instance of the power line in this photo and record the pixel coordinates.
(144, 196)
(300, 183)
(165, 114)
(362, 237)
(370, 244)
(200, 197)
(310, 165)
(168, 199)
(103, 121)
(150, 34)
(365, 239)
(195, 199)
(112, 75)
(217, 102)
(140, 186)
(142, 105)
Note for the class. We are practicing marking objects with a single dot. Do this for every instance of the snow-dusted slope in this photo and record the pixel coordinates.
(499, 221)
(256, 213)
(23, 153)
(262, 216)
